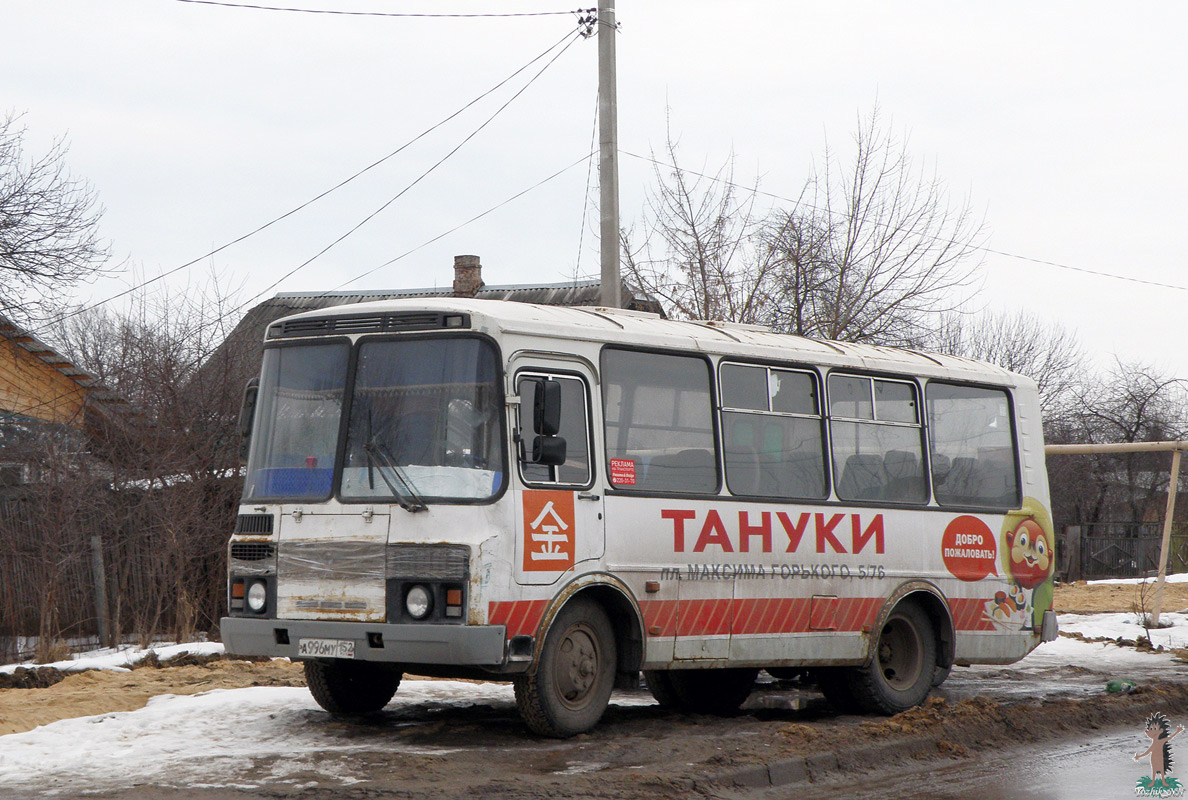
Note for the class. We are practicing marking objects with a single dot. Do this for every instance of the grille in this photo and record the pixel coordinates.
(366, 323)
(253, 523)
(430, 562)
(252, 551)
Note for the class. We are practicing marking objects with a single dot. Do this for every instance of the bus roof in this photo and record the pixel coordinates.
(642, 329)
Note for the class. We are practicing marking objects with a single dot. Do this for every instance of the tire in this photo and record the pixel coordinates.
(702, 691)
(940, 675)
(837, 684)
(660, 685)
(352, 687)
(901, 673)
(568, 691)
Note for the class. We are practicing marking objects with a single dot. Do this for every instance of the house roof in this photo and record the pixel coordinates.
(248, 336)
(98, 398)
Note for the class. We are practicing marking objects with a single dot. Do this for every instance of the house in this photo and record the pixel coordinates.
(43, 394)
(243, 347)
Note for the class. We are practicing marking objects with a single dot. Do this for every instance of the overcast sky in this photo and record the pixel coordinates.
(1064, 124)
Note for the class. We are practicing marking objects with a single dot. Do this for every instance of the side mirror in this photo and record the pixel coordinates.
(548, 450)
(546, 407)
(247, 412)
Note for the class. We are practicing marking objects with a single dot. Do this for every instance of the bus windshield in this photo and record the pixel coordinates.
(297, 419)
(424, 421)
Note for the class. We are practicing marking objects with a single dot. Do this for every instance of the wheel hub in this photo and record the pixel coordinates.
(577, 665)
(900, 654)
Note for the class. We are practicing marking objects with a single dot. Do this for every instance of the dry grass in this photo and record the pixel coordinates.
(1081, 598)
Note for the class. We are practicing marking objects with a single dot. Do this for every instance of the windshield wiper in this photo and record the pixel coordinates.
(408, 498)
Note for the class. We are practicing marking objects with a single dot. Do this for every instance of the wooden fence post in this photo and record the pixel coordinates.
(99, 578)
(1072, 552)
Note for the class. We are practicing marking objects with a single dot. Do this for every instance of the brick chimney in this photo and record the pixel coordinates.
(468, 276)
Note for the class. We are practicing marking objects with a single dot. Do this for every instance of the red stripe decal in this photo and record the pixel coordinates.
(519, 616)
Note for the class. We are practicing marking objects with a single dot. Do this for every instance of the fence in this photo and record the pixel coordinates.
(1103, 550)
(102, 565)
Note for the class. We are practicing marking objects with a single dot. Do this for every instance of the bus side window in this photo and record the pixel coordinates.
(972, 446)
(574, 430)
(659, 422)
(772, 432)
(877, 441)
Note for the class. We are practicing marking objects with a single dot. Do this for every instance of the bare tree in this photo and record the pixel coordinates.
(48, 224)
(697, 251)
(1133, 403)
(868, 252)
(159, 490)
(873, 248)
(1022, 342)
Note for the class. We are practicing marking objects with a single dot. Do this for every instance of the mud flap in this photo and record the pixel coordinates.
(1049, 628)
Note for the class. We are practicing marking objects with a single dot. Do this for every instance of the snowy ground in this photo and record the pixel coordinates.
(1181, 577)
(123, 658)
(239, 738)
(269, 736)
(274, 736)
(1173, 633)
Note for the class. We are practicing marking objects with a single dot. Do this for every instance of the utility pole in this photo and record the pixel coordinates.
(608, 156)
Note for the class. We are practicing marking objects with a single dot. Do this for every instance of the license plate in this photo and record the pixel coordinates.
(326, 648)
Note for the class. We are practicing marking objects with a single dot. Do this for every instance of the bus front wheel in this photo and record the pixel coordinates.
(351, 687)
(571, 685)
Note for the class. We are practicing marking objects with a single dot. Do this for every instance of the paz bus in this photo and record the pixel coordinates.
(566, 497)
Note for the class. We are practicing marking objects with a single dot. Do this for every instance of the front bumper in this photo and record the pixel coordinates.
(455, 645)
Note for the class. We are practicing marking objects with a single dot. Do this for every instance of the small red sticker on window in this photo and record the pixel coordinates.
(622, 471)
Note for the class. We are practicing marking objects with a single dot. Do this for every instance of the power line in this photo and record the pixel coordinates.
(1085, 270)
(577, 267)
(575, 36)
(334, 12)
(980, 248)
(475, 218)
(309, 202)
(52, 400)
(572, 37)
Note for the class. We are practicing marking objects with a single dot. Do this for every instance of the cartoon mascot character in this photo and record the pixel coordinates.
(1028, 555)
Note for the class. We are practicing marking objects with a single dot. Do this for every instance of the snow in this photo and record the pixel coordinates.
(1178, 578)
(121, 659)
(1098, 656)
(278, 736)
(228, 738)
(1112, 626)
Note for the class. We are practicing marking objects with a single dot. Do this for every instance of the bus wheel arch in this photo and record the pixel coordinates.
(589, 642)
(910, 646)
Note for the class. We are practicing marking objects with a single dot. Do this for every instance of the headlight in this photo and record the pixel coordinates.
(257, 596)
(418, 602)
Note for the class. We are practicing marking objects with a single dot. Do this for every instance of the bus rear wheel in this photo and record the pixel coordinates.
(901, 672)
(568, 691)
(351, 687)
(701, 691)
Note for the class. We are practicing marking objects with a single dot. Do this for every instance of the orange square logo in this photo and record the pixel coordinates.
(549, 531)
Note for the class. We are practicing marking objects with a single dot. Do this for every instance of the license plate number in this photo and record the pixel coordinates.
(326, 648)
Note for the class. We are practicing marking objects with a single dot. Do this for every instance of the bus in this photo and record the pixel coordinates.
(568, 497)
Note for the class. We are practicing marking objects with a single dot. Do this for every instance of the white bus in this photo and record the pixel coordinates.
(565, 497)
